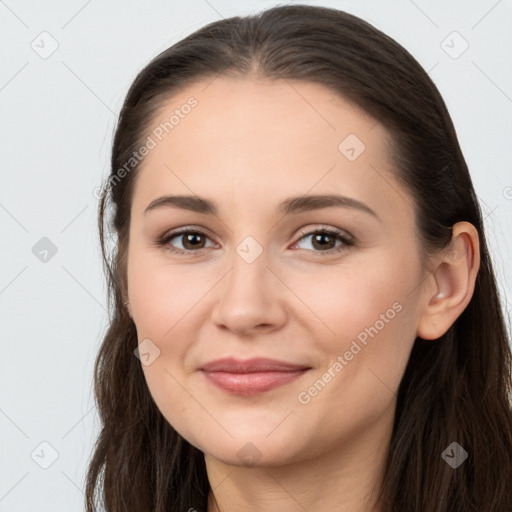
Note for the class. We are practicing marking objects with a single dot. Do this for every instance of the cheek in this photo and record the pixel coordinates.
(163, 294)
(367, 326)
(168, 306)
(176, 404)
(343, 302)
(163, 309)
(364, 360)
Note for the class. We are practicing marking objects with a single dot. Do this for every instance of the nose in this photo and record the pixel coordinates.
(250, 297)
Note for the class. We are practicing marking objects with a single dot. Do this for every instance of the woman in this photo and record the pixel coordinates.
(305, 315)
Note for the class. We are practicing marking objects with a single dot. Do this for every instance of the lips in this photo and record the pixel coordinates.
(255, 365)
(253, 376)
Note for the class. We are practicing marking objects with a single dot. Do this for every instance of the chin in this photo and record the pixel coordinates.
(250, 448)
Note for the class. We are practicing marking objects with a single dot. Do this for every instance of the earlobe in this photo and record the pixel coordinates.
(452, 283)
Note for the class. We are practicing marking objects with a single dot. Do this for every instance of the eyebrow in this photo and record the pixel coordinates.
(287, 207)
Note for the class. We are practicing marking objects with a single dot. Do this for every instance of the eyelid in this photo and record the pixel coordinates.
(325, 227)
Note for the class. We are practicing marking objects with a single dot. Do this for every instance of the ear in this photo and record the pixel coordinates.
(451, 285)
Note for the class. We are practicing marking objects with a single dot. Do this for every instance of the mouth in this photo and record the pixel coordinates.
(251, 377)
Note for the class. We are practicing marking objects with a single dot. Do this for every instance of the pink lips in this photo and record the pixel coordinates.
(252, 376)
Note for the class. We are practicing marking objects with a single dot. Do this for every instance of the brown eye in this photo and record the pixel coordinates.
(191, 241)
(324, 240)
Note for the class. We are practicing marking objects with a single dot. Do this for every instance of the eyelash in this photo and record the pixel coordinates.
(347, 242)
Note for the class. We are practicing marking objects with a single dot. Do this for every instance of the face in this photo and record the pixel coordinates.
(330, 287)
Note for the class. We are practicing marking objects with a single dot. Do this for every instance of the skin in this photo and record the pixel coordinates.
(248, 145)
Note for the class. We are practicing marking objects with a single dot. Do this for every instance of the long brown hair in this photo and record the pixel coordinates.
(456, 389)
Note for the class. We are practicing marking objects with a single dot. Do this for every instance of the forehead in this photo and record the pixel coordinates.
(251, 136)
(279, 113)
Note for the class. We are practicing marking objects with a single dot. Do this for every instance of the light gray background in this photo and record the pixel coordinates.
(57, 119)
